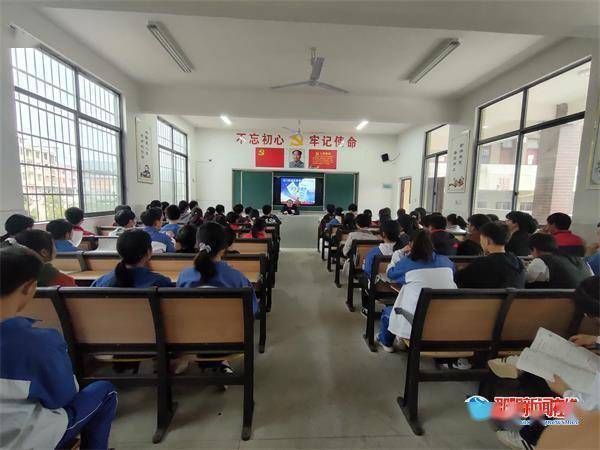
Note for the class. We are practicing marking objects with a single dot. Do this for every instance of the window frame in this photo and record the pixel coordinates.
(77, 115)
(521, 131)
(175, 152)
(424, 167)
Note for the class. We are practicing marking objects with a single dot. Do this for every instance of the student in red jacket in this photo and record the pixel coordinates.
(75, 217)
(558, 225)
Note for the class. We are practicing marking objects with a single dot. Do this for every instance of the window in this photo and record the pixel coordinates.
(434, 164)
(528, 146)
(68, 134)
(172, 157)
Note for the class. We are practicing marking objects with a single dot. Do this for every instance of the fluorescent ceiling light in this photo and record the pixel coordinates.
(362, 124)
(436, 57)
(162, 35)
(225, 119)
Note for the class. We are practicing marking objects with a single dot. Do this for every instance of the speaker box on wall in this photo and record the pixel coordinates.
(385, 157)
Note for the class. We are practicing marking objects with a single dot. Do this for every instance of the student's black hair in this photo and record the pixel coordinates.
(254, 214)
(211, 240)
(422, 211)
(437, 221)
(186, 237)
(248, 210)
(523, 220)
(496, 231)
(543, 242)
(150, 216)
(238, 209)
(400, 212)
(122, 208)
(384, 214)
(493, 217)
(220, 209)
(560, 220)
(391, 230)
(368, 212)
(259, 225)
(587, 296)
(454, 219)
(363, 220)
(266, 209)
(196, 217)
(164, 205)
(231, 217)
(18, 265)
(339, 211)
(156, 204)
(230, 236)
(421, 248)
(15, 224)
(173, 212)
(193, 204)
(221, 219)
(407, 223)
(348, 222)
(74, 215)
(36, 240)
(352, 207)
(478, 220)
(59, 228)
(330, 208)
(123, 217)
(132, 246)
(183, 206)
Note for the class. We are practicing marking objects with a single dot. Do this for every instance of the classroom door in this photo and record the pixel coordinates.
(405, 188)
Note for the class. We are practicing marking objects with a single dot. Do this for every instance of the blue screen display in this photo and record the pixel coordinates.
(296, 188)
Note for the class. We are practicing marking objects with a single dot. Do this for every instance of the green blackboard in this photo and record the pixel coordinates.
(237, 187)
(340, 189)
(256, 188)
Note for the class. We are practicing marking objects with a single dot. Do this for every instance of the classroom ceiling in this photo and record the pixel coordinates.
(307, 126)
(244, 54)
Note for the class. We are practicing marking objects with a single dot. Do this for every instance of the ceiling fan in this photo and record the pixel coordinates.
(298, 131)
(316, 62)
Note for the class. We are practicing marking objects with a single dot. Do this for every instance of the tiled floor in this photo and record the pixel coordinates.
(317, 386)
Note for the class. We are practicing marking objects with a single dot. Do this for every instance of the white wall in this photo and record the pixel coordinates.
(217, 154)
(587, 201)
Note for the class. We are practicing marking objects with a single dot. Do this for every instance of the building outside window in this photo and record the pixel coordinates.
(435, 164)
(173, 161)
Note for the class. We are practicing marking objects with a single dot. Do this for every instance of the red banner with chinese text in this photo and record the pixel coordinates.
(269, 157)
(322, 159)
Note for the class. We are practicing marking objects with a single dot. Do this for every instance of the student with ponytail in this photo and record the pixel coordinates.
(135, 249)
(209, 268)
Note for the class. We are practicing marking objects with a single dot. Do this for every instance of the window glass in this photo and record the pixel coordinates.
(437, 140)
(559, 96)
(98, 102)
(172, 145)
(501, 117)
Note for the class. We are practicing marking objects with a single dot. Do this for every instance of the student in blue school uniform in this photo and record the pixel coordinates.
(135, 249)
(41, 405)
(61, 231)
(338, 216)
(173, 213)
(209, 269)
(151, 218)
(393, 239)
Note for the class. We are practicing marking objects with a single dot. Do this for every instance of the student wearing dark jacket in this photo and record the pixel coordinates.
(551, 269)
(471, 246)
(444, 243)
(520, 225)
(328, 217)
(499, 269)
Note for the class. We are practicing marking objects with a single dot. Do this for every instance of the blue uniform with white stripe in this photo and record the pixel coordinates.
(225, 277)
(172, 227)
(157, 236)
(63, 245)
(40, 406)
(142, 278)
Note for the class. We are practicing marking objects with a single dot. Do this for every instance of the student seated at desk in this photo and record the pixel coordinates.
(290, 208)
(362, 233)
(258, 230)
(232, 220)
(415, 267)
(209, 215)
(338, 216)
(41, 242)
(41, 405)
(551, 269)
(456, 223)
(393, 239)
(75, 217)
(499, 269)
(444, 243)
(125, 220)
(173, 216)
(558, 225)
(471, 246)
(353, 208)
(14, 225)
(151, 218)
(135, 249)
(196, 217)
(185, 209)
(520, 226)
(61, 232)
(349, 221)
(209, 268)
(328, 217)
(185, 241)
(268, 215)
